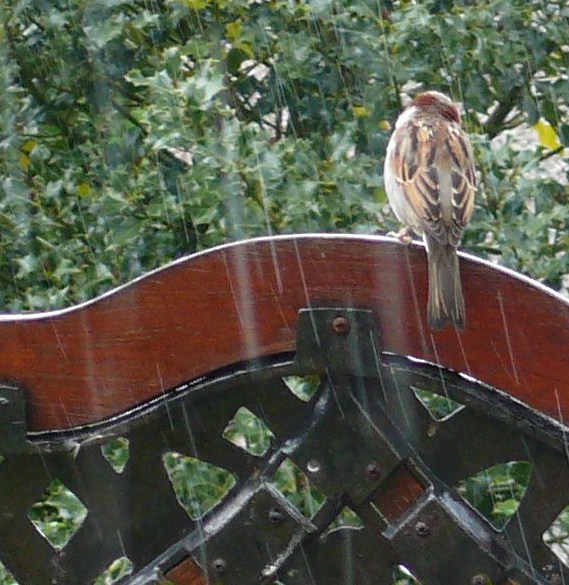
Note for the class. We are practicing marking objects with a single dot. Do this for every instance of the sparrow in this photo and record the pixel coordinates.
(431, 185)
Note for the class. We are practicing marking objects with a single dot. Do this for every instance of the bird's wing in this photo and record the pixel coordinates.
(463, 176)
(432, 159)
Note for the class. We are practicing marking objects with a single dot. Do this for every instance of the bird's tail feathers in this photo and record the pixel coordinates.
(446, 302)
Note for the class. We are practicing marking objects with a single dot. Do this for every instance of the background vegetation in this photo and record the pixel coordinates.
(133, 132)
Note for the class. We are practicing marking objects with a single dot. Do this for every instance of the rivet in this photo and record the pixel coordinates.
(432, 430)
(219, 565)
(341, 326)
(313, 466)
(373, 470)
(551, 574)
(422, 529)
(275, 516)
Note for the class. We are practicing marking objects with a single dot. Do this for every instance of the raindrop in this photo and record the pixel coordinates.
(497, 492)
(58, 515)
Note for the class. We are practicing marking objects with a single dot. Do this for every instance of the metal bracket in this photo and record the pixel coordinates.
(338, 340)
(345, 451)
(365, 442)
(441, 527)
(248, 549)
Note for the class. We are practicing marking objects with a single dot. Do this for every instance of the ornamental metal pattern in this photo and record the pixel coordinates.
(363, 440)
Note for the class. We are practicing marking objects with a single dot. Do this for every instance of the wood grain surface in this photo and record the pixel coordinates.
(186, 573)
(240, 301)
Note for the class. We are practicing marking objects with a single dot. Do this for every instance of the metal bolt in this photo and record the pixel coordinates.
(219, 565)
(373, 471)
(341, 326)
(551, 574)
(313, 466)
(432, 430)
(422, 529)
(479, 579)
(275, 516)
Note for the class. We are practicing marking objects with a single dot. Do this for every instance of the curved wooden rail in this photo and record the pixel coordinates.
(241, 301)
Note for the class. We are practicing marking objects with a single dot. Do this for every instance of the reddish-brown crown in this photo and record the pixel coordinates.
(433, 100)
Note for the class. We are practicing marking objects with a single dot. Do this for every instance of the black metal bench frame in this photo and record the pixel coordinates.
(166, 361)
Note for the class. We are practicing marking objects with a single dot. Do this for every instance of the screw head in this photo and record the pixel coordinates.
(373, 470)
(432, 429)
(422, 529)
(479, 579)
(313, 466)
(551, 574)
(275, 516)
(219, 565)
(341, 325)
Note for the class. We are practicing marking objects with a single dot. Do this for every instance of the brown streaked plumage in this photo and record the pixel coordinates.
(431, 185)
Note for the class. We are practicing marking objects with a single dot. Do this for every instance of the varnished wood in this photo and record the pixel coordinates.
(241, 301)
(398, 493)
(186, 573)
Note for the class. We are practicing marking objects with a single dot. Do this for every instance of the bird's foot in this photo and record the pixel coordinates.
(404, 235)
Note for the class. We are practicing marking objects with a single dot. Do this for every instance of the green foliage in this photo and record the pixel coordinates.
(118, 569)
(6, 577)
(303, 387)
(402, 576)
(249, 432)
(347, 518)
(58, 514)
(557, 536)
(292, 482)
(497, 492)
(117, 453)
(134, 132)
(199, 486)
(440, 407)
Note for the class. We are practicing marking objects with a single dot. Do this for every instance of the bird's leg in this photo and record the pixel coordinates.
(404, 235)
